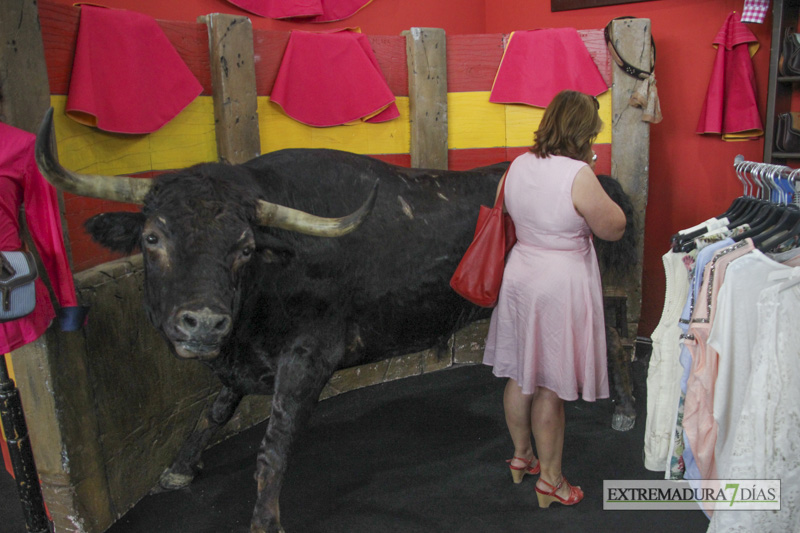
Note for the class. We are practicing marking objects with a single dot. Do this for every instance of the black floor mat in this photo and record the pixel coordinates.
(420, 455)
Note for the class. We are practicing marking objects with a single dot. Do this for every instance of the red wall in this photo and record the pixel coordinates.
(691, 176)
(381, 17)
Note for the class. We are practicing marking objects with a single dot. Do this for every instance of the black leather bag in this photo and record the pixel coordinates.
(789, 63)
(787, 134)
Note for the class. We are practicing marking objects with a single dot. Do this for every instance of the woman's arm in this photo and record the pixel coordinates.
(604, 216)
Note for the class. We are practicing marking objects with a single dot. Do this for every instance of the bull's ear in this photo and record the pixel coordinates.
(118, 231)
(272, 249)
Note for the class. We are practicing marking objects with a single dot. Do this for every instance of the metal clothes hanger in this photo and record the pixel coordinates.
(788, 227)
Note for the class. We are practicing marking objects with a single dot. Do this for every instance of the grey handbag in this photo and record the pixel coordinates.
(17, 289)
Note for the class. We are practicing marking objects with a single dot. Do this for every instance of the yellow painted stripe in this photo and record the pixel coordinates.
(9, 365)
(279, 131)
(189, 138)
(474, 122)
(11, 375)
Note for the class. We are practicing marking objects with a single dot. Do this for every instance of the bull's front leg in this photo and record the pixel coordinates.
(621, 379)
(186, 464)
(303, 369)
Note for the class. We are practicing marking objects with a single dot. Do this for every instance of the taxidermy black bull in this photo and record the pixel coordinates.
(266, 298)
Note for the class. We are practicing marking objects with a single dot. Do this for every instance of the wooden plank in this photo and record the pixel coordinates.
(631, 145)
(427, 91)
(390, 52)
(279, 131)
(476, 157)
(473, 61)
(475, 122)
(233, 77)
(595, 42)
(268, 49)
(24, 97)
(187, 139)
(471, 158)
(60, 23)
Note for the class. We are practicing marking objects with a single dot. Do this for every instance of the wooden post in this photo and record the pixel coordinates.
(233, 79)
(427, 91)
(24, 88)
(630, 143)
(21, 454)
(24, 98)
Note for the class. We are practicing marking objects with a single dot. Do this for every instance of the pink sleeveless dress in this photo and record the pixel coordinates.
(548, 329)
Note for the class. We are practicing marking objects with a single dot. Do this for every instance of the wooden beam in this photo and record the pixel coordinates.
(630, 144)
(233, 79)
(69, 485)
(24, 91)
(427, 91)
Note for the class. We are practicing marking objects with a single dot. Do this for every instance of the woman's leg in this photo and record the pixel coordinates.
(517, 408)
(548, 430)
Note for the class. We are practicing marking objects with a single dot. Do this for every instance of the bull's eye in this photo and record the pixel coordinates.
(247, 251)
(151, 238)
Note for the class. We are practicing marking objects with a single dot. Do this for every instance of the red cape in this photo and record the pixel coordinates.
(538, 64)
(126, 75)
(731, 105)
(329, 79)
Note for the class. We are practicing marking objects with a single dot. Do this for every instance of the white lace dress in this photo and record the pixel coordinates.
(664, 370)
(766, 439)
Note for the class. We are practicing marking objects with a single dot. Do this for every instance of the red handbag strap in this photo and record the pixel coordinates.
(501, 194)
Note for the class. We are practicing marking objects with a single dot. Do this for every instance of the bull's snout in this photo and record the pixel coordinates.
(199, 332)
(203, 322)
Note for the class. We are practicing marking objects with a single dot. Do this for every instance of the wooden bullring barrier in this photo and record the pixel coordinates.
(108, 406)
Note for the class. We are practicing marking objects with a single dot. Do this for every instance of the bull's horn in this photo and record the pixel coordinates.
(119, 188)
(278, 216)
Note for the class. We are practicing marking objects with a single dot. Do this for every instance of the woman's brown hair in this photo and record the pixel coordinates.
(569, 126)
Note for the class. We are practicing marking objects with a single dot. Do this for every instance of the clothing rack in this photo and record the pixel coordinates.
(777, 183)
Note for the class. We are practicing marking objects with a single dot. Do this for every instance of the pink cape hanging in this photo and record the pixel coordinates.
(731, 105)
(126, 75)
(311, 10)
(329, 79)
(538, 64)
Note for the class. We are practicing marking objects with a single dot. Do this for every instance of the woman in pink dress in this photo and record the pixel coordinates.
(547, 333)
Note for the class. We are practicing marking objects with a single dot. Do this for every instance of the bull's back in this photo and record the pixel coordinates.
(393, 272)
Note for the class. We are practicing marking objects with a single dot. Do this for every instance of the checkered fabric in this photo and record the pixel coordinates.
(755, 10)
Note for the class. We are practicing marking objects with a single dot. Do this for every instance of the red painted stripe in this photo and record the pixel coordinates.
(390, 52)
(477, 157)
(59, 25)
(472, 61)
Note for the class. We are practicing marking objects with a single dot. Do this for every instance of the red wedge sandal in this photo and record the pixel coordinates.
(546, 498)
(518, 472)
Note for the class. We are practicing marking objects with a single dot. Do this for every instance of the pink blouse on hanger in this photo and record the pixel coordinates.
(698, 411)
(22, 184)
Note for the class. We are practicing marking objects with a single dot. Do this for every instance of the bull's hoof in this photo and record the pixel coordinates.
(170, 480)
(623, 421)
(261, 529)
